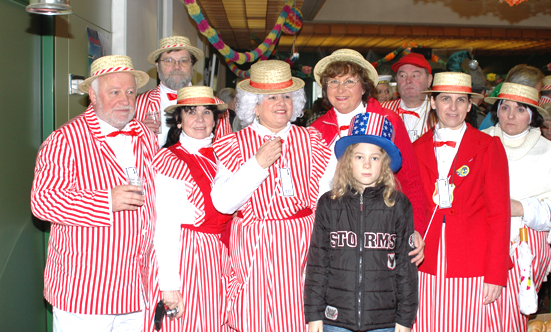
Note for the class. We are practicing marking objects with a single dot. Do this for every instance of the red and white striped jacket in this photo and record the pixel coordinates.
(150, 101)
(97, 259)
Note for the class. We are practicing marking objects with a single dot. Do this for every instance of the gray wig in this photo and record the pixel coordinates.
(246, 102)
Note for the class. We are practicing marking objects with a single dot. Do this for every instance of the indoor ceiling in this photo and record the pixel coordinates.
(237, 20)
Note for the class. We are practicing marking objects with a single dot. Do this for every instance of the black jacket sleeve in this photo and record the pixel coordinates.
(318, 262)
(406, 272)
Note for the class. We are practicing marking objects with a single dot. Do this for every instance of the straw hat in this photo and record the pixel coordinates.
(384, 79)
(518, 92)
(546, 83)
(372, 128)
(452, 82)
(196, 96)
(346, 55)
(110, 64)
(174, 43)
(269, 77)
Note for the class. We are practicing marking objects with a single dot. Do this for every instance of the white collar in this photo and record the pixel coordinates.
(263, 131)
(193, 144)
(447, 134)
(107, 129)
(166, 89)
(515, 137)
(419, 109)
(344, 119)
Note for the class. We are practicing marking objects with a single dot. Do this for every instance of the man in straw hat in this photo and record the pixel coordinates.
(413, 75)
(174, 60)
(101, 226)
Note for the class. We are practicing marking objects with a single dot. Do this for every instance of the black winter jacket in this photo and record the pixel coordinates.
(359, 275)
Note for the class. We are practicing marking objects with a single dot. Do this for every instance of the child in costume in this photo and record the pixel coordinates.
(359, 276)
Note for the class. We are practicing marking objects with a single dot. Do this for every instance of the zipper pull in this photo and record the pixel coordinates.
(361, 202)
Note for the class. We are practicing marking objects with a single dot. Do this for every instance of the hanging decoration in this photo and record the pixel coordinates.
(513, 2)
(293, 23)
(240, 58)
(406, 49)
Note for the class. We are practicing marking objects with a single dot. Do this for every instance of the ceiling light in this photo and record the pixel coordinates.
(49, 7)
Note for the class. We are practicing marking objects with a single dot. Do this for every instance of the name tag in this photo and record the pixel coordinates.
(131, 172)
(413, 135)
(444, 197)
(286, 182)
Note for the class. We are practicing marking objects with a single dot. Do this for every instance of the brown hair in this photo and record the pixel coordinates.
(344, 178)
(339, 68)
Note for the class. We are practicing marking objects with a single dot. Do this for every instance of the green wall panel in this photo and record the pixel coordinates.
(21, 236)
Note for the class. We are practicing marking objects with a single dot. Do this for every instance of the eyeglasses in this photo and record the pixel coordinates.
(349, 83)
(182, 62)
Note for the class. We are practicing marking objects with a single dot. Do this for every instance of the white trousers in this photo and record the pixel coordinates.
(70, 322)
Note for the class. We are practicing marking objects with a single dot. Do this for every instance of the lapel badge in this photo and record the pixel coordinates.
(463, 171)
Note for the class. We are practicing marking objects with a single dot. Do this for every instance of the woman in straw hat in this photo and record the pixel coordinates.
(269, 173)
(466, 185)
(518, 118)
(188, 240)
(347, 80)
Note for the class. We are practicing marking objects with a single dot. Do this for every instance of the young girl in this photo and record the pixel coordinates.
(359, 276)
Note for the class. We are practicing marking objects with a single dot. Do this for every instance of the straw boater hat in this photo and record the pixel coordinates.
(196, 96)
(270, 77)
(111, 64)
(546, 83)
(384, 79)
(174, 43)
(452, 82)
(346, 55)
(518, 92)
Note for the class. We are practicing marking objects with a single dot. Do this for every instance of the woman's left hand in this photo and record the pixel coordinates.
(419, 251)
(516, 209)
(491, 293)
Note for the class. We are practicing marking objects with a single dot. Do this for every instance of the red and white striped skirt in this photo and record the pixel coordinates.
(265, 291)
(203, 257)
(514, 320)
(454, 304)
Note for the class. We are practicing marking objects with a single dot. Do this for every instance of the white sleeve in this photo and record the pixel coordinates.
(173, 209)
(326, 180)
(537, 213)
(231, 191)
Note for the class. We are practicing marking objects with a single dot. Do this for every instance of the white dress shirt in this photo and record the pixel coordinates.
(445, 154)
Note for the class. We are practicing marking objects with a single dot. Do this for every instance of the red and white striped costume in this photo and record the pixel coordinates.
(97, 260)
(202, 253)
(150, 101)
(271, 234)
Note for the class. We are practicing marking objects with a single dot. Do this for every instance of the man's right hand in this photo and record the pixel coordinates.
(152, 125)
(126, 198)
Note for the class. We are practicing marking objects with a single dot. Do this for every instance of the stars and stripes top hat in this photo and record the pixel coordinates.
(375, 129)
(111, 64)
(197, 96)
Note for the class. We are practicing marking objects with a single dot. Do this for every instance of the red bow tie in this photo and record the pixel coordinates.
(403, 111)
(341, 128)
(120, 132)
(172, 96)
(207, 152)
(442, 143)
